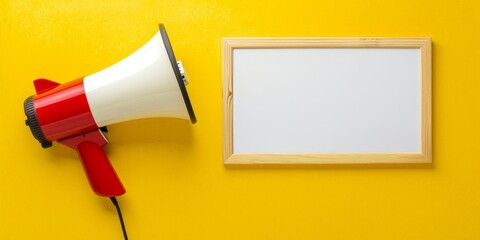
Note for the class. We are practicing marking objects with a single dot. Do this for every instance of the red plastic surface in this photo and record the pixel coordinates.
(102, 177)
(43, 85)
(64, 111)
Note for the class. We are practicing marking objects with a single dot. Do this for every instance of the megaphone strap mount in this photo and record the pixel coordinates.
(43, 85)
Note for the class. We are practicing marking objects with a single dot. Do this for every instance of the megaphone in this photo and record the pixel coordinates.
(149, 83)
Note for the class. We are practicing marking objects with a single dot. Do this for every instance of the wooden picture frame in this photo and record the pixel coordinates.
(233, 48)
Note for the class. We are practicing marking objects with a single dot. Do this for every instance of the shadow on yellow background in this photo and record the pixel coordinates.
(177, 186)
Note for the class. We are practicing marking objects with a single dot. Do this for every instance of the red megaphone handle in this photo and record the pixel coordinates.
(100, 173)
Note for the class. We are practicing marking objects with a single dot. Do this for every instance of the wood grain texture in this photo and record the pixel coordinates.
(423, 43)
(227, 59)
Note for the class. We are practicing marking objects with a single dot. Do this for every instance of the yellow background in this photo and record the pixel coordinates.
(177, 186)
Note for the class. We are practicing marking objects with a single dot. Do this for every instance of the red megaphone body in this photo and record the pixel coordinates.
(148, 83)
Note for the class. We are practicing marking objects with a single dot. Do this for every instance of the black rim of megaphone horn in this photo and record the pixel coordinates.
(181, 84)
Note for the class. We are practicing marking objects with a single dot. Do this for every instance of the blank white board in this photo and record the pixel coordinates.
(326, 100)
